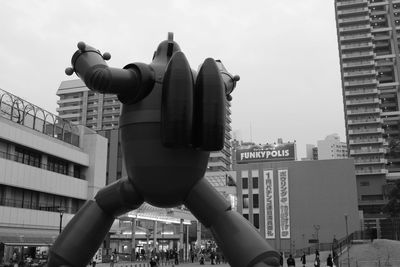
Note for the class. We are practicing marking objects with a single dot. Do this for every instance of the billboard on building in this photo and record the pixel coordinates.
(269, 204)
(267, 153)
(284, 209)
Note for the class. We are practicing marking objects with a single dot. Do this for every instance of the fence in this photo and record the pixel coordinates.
(374, 263)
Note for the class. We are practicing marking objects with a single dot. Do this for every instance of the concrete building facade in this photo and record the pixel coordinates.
(368, 32)
(288, 200)
(48, 169)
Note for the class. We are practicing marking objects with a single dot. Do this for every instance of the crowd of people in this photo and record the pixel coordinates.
(290, 261)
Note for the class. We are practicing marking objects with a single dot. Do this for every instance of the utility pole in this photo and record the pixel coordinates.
(347, 239)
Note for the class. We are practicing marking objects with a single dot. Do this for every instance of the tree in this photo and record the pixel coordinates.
(393, 207)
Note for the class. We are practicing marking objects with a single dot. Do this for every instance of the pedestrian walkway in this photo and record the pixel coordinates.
(146, 264)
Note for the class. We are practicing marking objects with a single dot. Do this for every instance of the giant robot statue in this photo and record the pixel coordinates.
(172, 117)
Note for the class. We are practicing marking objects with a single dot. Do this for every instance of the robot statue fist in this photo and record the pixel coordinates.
(171, 118)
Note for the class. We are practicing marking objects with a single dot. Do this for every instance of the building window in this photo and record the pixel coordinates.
(255, 201)
(371, 197)
(28, 156)
(57, 165)
(255, 182)
(245, 201)
(364, 183)
(256, 220)
(245, 183)
(246, 216)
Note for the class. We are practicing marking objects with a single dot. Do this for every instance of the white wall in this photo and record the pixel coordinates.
(24, 176)
(26, 218)
(25, 136)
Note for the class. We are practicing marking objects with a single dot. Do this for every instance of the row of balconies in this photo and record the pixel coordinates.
(369, 101)
(364, 121)
(353, 37)
(357, 45)
(350, 20)
(361, 82)
(359, 73)
(373, 171)
(366, 131)
(350, 3)
(363, 111)
(369, 161)
(359, 10)
(360, 63)
(361, 92)
(358, 55)
(366, 151)
(366, 141)
(355, 28)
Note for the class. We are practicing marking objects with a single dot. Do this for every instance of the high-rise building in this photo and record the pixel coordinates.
(368, 38)
(329, 148)
(100, 112)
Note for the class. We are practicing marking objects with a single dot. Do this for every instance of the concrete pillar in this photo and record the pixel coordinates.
(187, 242)
(155, 235)
(180, 247)
(133, 255)
(198, 225)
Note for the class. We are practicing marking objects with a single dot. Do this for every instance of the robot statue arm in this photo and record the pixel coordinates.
(228, 79)
(131, 83)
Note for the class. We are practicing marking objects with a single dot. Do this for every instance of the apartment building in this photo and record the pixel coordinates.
(100, 112)
(329, 148)
(48, 169)
(368, 32)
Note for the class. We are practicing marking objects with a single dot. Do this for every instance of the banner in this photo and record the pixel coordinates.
(284, 212)
(269, 204)
(268, 153)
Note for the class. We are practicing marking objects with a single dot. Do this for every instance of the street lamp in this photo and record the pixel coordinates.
(317, 227)
(347, 239)
(61, 211)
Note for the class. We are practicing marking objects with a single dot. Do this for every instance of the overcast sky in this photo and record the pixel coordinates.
(285, 52)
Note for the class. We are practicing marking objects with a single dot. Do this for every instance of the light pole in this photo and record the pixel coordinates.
(347, 239)
(317, 227)
(61, 211)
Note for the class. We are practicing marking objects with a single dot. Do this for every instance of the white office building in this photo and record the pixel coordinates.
(48, 169)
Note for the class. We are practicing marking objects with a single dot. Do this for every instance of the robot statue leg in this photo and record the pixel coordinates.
(240, 242)
(84, 234)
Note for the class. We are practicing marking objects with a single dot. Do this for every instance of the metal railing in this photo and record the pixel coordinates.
(29, 204)
(48, 167)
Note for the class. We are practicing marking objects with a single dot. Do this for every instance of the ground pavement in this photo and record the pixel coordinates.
(146, 264)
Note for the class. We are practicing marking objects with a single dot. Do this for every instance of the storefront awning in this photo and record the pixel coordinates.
(33, 241)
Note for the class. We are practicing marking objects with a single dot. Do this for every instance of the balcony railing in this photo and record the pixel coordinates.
(361, 82)
(356, 45)
(356, 36)
(366, 141)
(355, 28)
(36, 164)
(359, 73)
(365, 121)
(366, 131)
(354, 19)
(359, 63)
(348, 3)
(353, 10)
(367, 151)
(363, 111)
(358, 55)
(371, 171)
(361, 92)
(370, 161)
(363, 101)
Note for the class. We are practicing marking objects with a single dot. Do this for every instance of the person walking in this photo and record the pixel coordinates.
(281, 259)
(317, 262)
(303, 259)
(112, 260)
(290, 261)
(329, 261)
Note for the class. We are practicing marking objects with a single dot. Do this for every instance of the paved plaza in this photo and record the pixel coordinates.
(146, 264)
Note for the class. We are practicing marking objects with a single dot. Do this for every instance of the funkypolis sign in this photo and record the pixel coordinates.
(271, 153)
